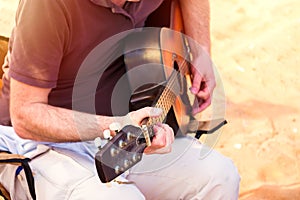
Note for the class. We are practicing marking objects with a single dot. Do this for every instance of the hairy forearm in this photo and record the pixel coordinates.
(43, 122)
(196, 16)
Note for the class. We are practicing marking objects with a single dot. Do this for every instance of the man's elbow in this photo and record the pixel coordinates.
(18, 121)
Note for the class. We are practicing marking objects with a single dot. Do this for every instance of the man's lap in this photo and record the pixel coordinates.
(182, 173)
(61, 173)
(58, 176)
(187, 175)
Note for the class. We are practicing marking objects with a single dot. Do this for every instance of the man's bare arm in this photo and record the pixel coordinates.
(196, 16)
(34, 119)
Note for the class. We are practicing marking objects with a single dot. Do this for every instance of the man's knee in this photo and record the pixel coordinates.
(227, 174)
(223, 181)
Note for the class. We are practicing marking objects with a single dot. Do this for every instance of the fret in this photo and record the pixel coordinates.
(165, 101)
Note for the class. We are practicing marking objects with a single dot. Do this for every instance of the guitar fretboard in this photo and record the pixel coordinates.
(166, 99)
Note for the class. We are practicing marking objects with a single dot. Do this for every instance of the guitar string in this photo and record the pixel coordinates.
(167, 95)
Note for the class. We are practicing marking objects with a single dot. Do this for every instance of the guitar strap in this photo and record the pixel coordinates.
(19, 163)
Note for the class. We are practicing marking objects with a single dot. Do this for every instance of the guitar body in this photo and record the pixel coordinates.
(148, 88)
(167, 52)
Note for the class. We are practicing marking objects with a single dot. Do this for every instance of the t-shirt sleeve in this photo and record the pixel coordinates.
(39, 41)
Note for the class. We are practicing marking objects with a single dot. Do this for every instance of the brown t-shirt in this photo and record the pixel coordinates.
(52, 40)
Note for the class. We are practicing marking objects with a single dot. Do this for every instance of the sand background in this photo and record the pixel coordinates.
(255, 46)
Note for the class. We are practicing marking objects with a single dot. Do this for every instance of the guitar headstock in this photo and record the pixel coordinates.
(120, 153)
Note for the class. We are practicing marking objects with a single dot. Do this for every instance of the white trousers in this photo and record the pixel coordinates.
(182, 174)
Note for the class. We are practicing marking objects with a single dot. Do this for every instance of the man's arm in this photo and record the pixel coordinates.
(34, 119)
(196, 17)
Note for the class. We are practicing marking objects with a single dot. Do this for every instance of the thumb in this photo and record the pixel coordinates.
(136, 117)
(196, 84)
(148, 112)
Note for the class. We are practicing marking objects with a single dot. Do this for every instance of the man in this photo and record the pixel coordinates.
(51, 41)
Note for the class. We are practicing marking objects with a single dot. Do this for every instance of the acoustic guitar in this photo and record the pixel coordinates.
(169, 52)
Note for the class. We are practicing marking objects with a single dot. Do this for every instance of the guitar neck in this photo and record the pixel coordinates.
(166, 99)
(165, 106)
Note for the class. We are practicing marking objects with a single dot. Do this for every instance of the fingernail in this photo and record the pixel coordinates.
(193, 90)
(156, 111)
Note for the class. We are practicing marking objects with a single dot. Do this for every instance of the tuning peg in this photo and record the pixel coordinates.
(114, 152)
(122, 144)
(117, 169)
(136, 157)
(130, 136)
(115, 126)
(98, 142)
(126, 163)
(106, 134)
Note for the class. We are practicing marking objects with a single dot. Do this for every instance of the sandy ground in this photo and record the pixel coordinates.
(255, 46)
(256, 49)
